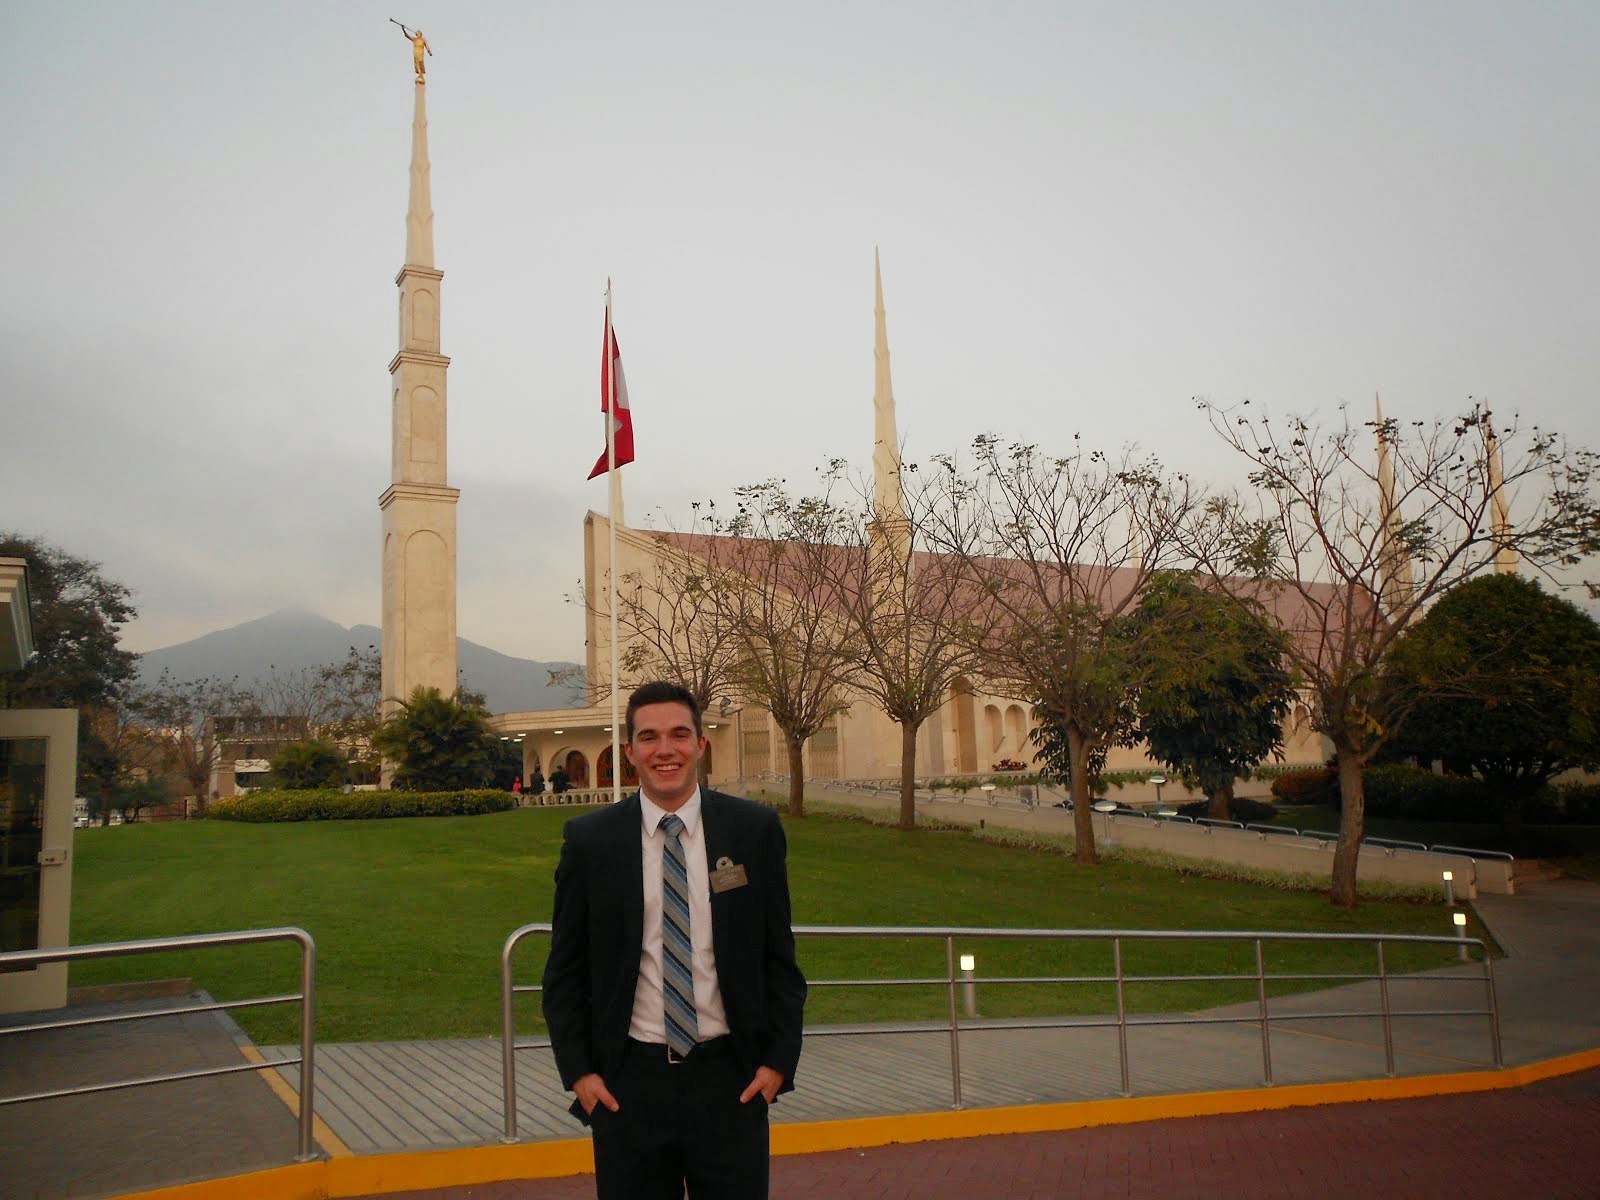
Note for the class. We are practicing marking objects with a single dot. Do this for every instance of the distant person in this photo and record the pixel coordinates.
(535, 782)
(558, 780)
(516, 786)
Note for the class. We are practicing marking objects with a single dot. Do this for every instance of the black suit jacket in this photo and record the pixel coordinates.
(593, 968)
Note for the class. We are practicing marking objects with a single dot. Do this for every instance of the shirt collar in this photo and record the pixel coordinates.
(651, 813)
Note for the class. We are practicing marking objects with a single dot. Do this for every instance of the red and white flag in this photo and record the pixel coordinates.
(611, 362)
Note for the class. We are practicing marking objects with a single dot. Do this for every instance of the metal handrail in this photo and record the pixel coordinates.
(1394, 843)
(25, 959)
(508, 1044)
(1263, 1018)
(1471, 853)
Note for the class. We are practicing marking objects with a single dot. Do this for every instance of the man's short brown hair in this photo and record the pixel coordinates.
(662, 692)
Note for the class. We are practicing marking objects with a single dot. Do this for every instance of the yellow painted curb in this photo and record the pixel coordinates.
(351, 1176)
(325, 1137)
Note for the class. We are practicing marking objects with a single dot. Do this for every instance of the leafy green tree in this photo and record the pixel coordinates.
(1216, 687)
(134, 796)
(312, 763)
(1509, 684)
(78, 615)
(438, 743)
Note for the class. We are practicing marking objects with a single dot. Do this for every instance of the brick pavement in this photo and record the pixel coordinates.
(1538, 1141)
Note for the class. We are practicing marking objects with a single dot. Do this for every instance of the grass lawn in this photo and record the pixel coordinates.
(409, 917)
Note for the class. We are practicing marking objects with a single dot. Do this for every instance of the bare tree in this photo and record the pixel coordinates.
(125, 760)
(907, 609)
(1323, 533)
(1056, 551)
(796, 652)
(668, 623)
(187, 712)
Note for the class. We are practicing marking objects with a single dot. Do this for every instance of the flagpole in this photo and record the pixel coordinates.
(611, 526)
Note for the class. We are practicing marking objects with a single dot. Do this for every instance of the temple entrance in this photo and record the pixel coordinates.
(577, 769)
(630, 777)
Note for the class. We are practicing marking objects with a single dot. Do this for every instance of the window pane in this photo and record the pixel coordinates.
(21, 839)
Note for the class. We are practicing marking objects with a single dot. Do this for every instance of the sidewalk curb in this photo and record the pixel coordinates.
(380, 1174)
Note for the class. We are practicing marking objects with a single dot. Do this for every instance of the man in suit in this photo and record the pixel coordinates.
(671, 991)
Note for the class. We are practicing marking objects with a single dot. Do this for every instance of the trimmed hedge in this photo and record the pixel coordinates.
(330, 805)
(1580, 802)
(1416, 794)
(1240, 808)
(1308, 785)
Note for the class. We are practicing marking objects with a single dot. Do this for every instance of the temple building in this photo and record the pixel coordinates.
(975, 730)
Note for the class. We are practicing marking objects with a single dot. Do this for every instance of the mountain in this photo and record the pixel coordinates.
(291, 640)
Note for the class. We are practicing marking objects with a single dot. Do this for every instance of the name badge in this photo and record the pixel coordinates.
(728, 875)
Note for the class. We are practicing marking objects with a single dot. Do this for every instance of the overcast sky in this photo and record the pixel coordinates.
(1088, 214)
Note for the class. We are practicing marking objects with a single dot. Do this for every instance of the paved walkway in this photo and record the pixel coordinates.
(1549, 990)
(110, 1142)
(1534, 1141)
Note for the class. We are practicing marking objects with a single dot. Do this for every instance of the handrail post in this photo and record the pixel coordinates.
(308, 1042)
(1494, 1009)
(1388, 1025)
(1122, 1015)
(508, 1066)
(955, 1027)
(1261, 1001)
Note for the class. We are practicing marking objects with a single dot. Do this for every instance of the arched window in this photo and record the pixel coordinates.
(991, 722)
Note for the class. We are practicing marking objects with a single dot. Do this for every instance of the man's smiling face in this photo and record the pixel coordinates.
(665, 749)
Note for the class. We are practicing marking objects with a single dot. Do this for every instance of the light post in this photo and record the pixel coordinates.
(1450, 888)
(1105, 808)
(1461, 932)
(969, 983)
(1158, 779)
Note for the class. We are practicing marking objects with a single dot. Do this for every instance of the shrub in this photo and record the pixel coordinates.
(1308, 785)
(329, 805)
(1410, 793)
(1008, 764)
(308, 765)
(1580, 802)
(1240, 809)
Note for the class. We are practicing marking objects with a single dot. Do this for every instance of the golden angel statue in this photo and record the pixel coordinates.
(419, 47)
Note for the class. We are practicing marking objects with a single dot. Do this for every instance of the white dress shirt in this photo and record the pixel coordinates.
(649, 1019)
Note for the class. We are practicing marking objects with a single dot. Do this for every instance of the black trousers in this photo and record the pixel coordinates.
(680, 1124)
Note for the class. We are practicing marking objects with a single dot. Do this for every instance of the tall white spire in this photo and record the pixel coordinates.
(419, 212)
(419, 506)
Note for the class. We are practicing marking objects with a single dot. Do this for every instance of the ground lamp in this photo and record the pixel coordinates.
(1449, 887)
(1461, 932)
(969, 983)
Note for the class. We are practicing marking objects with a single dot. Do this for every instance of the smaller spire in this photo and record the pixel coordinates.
(885, 438)
(419, 213)
(1505, 557)
(1397, 580)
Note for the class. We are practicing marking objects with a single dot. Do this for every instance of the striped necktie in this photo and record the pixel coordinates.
(677, 980)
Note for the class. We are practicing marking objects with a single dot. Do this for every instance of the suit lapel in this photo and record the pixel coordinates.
(718, 844)
(632, 869)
